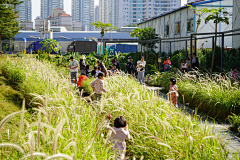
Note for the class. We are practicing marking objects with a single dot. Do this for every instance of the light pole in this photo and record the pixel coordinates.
(110, 35)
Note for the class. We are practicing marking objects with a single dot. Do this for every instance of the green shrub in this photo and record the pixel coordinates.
(216, 96)
(235, 123)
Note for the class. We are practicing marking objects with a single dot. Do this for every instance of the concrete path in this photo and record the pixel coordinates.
(228, 137)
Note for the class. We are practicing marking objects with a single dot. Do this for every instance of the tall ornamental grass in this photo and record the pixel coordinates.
(216, 95)
(67, 126)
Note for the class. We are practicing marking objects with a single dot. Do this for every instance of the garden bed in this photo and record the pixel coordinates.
(216, 96)
(64, 123)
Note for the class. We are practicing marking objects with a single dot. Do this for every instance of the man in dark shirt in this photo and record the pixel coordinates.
(195, 62)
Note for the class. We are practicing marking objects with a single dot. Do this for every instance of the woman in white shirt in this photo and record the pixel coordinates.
(141, 70)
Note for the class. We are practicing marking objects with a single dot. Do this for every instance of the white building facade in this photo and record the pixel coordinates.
(25, 10)
(104, 11)
(135, 11)
(48, 5)
(84, 11)
(236, 23)
(182, 22)
(96, 13)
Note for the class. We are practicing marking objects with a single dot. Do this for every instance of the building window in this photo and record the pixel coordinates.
(177, 28)
(190, 23)
(166, 31)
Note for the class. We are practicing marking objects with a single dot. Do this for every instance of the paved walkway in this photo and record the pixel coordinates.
(233, 142)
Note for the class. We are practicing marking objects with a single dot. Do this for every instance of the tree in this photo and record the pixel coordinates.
(145, 34)
(8, 19)
(103, 27)
(199, 13)
(50, 45)
(214, 15)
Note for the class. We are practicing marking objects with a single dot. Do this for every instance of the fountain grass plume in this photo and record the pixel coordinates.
(126, 97)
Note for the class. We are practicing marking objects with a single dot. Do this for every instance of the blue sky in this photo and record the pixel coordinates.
(67, 7)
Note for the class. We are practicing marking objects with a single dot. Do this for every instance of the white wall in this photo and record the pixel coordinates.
(236, 24)
(183, 16)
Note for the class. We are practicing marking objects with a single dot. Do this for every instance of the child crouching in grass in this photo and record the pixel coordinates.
(98, 87)
(173, 92)
(118, 138)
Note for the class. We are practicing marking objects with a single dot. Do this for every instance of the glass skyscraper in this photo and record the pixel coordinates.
(48, 5)
(83, 11)
(25, 10)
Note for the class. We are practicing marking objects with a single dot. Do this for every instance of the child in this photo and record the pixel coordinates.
(167, 65)
(98, 87)
(87, 70)
(110, 70)
(81, 79)
(94, 71)
(234, 73)
(114, 70)
(98, 71)
(118, 138)
(173, 89)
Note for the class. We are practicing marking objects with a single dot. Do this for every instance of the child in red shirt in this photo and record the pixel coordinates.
(81, 79)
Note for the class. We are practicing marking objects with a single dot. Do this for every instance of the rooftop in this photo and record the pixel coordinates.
(65, 15)
(76, 35)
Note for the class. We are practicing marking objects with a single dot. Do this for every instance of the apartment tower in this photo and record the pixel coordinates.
(25, 10)
(83, 11)
(135, 11)
(48, 5)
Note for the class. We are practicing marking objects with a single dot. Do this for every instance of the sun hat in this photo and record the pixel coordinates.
(83, 57)
(138, 61)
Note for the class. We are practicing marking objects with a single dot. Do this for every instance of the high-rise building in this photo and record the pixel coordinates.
(83, 11)
(48, 5)
(104, 11)
(135, 11)
(96, 13)
(25, 10)
(109, 11)
(114, 12)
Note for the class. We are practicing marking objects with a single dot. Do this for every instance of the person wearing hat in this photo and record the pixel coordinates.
(129, 65)
(73, 65)
(82, 65)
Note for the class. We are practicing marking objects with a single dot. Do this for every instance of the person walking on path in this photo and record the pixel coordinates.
(173, 91)
(98, 87)
(195, 62)
(73, 65)
(115, 63)
(141, 70)
(119, 136)
(129, 65)
(103, 68)
(82, 65)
